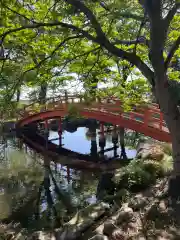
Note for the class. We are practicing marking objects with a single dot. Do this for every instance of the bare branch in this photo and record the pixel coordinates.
(172, 51)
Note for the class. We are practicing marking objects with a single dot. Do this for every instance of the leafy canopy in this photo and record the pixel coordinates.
(45, 41)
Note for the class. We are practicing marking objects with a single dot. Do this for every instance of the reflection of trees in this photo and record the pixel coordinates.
(41, 196)
(18, 180)
(60, 204)
(132, 138)
(88, 134)
(122, 143)
(106, 185)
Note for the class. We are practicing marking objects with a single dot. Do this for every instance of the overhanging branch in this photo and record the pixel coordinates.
(101, 39)
(104, 41)
(51, 24)
(20, 80)
(171, 14)
(89, 14)
(125, 14)
(172, 51)
(140, 40)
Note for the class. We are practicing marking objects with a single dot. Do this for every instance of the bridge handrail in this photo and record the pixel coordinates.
(148, 113)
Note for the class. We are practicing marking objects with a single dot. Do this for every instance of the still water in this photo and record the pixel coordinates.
(43, 196)
(80, 142)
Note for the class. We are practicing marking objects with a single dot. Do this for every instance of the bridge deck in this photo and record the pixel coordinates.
(147, 120)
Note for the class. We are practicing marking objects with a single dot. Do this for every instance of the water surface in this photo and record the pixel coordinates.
(43, 196)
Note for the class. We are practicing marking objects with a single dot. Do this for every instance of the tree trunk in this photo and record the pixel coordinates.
(122, 144)
(18, 94)
(43, 93)
(172, 118)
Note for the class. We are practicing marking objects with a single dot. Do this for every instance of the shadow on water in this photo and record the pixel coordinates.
(39, 193)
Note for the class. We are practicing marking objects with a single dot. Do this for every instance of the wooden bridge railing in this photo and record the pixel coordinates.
(149, 116)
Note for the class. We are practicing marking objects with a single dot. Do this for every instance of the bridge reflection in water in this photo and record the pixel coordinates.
(41, 193)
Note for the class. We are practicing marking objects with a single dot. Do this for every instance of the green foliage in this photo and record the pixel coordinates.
(140, 174)
(73, 111)
(56, 42)
(167, 148)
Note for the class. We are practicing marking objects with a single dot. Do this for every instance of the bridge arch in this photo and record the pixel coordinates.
(148, 121)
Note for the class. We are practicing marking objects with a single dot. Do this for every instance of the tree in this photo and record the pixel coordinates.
(144, 33)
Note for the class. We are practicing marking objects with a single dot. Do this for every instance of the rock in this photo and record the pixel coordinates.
(132, 226)
(154, 213)
(20, 237)
(138, 203)
(124, 215)
(162, 206)
(98, 237)
(81, 221)
(9, 236)
(40, 235)
(118, 235)
(109, 227)
(150, 150)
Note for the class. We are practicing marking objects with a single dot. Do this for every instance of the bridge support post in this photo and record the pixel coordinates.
(102, 144)
(102, 129)
(115, 140)
(93, 144)
(60, 132)
(46, 132)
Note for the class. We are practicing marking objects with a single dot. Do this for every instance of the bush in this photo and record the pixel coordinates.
(154, 168)
(167, 148)
(141, 174)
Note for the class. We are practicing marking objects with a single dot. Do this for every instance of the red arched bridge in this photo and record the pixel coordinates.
(147, 120)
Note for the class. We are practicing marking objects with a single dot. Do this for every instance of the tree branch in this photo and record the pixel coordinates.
(172, 51)
(171, 14)
(125, 15)
(100, 39)
(51, 24)
(17, 13)
(131, 15)
(89, 14)
(39, 64)
(104, 42)
(140, 40)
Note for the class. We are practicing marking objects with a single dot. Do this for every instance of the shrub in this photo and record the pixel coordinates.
(167, 148)
(141, 174)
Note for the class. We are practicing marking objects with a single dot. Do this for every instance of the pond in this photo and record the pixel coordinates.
(79, 141)
(41, 194)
